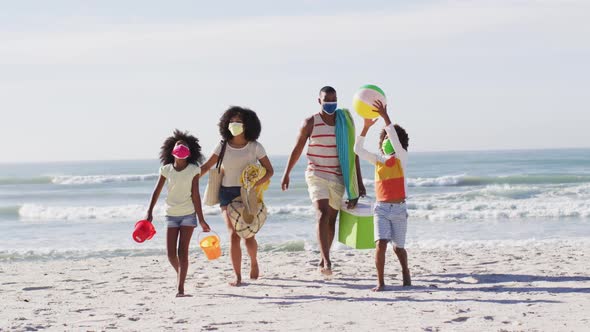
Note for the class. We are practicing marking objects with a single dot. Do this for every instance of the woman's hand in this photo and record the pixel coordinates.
(259, 183)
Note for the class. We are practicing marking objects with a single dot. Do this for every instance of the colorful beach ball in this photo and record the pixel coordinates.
(365, 97)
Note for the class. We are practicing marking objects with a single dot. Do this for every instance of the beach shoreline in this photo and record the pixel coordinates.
(508, 288)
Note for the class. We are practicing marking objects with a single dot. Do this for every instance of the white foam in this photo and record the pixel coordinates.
(442, 181)
(56, 254)
(504, 202)
(38, 212)
(98, 179)
(478, 209)
(81, 213)
(307, 210)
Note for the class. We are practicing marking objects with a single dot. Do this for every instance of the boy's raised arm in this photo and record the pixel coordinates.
(400, 152)
(359, 145)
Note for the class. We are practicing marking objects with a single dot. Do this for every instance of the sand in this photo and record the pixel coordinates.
(528, 288)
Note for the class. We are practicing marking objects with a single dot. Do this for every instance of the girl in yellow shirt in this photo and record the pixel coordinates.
(180, 155)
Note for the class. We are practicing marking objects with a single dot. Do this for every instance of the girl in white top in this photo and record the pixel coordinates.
(180, 154)
(239, 128)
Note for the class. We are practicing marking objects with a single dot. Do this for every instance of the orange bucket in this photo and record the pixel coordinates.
(211, 246)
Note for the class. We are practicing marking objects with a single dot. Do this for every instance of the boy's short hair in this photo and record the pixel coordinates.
(327, 89)
(401, 134)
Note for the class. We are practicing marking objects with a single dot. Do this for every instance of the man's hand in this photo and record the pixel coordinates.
(351, 204)
(285, 182)
(362, 189)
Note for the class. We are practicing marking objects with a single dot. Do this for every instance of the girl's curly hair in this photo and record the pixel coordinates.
(252, 126)
(191, 142)
(401, 133)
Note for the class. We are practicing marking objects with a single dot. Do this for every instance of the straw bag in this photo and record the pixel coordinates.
(214, 183)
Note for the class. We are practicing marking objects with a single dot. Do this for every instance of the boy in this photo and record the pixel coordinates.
(390, 215)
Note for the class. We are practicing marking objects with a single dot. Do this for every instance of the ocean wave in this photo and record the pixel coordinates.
(100, 179)
(54, 254)
(467, 180)
(307, 210)
(38, 212)
(288, 247)
(57, 254)
(482, 209)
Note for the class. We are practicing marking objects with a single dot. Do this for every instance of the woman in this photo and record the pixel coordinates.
(240, 129)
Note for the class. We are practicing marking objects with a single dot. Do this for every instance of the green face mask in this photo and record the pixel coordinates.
(387, 147)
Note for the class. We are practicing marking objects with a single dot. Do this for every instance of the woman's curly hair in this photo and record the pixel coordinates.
(191, 142)
(401, 134)
(252, 126)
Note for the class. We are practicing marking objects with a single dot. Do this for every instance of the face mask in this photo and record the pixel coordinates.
(387, 147)
(329, 107)
(236, 128)
(181, 151)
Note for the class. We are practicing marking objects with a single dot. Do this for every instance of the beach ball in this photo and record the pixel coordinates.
(365, 97)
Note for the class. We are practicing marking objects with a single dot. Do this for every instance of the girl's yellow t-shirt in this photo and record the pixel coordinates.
(179, 201)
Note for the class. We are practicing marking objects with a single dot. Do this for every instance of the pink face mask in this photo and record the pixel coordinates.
(181, 151)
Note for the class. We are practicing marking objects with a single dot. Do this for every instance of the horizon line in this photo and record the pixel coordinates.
(287, 155)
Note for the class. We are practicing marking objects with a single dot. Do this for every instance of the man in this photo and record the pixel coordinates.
(323, 175)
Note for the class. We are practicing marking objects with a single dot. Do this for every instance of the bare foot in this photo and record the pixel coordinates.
(326, 271)
(378, 288)
(236, 283)
(254, 272)
(183, 295)
(407, 278)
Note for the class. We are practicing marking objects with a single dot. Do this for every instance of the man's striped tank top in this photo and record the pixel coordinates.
(322, 154)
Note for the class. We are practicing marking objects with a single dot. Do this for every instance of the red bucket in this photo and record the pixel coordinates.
(144, 230)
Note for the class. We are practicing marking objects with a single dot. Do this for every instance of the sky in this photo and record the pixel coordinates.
(109, 80)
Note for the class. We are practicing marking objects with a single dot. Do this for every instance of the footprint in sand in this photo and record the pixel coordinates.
(336, 293)
(458, 320)
(27, 289)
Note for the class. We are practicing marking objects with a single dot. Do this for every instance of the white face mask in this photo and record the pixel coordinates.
(236, 128)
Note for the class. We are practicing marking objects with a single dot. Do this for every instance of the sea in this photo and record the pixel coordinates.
(78, 210)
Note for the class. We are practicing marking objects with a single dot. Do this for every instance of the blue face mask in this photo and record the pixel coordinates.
(329, 107)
